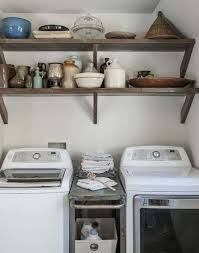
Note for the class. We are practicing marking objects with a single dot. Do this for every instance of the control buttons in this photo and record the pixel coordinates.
(156, 154)
(36, 156)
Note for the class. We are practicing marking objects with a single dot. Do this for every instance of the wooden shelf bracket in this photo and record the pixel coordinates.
(186, 60)
(95, 108)
(186, 107)
(3, 111)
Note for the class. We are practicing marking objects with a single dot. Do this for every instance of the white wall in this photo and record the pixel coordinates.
(122, 121)
(1, 141)
(185, 16)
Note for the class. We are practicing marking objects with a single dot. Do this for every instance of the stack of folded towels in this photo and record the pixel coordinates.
(97, 162)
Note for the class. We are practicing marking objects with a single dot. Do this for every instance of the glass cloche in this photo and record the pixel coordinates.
(88, 27)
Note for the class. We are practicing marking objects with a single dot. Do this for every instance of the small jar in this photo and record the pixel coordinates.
(70, 69)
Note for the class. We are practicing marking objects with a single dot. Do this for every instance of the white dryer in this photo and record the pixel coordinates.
(162, 200)
(34, 207)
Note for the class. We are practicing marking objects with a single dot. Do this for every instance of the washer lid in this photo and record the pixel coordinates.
(34, 175)
(42, 166)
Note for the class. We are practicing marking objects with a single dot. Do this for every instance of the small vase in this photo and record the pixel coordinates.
(19, 80)
(37, 80)
(29, 82)
(55, 74)
(43, 73)
(70, 69)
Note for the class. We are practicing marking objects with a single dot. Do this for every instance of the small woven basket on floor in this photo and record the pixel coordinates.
(161, 29)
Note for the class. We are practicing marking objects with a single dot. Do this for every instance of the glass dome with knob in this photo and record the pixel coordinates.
(88, 27)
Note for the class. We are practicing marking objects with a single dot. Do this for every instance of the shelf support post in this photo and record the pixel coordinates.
(95, 108)
(186, 107)
(95, 49)
(3, 111)
(2, 57)
(186, 60)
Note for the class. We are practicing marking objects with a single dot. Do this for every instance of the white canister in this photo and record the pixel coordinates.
(115, 76)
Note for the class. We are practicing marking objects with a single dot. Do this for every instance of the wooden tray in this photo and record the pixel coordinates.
(164, 82)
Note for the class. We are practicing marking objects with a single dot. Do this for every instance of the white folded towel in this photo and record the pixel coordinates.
(97, 162)
(90, 163)
(97, 156)
(95, 185)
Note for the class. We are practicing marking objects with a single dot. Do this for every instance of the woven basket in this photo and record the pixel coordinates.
(161, 29)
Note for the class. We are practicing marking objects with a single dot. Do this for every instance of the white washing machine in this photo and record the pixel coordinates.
(162, 200)
(34, 207)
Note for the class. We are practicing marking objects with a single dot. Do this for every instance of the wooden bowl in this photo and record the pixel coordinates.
(164, 82)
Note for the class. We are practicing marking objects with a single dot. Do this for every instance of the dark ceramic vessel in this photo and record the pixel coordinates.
(53, 28)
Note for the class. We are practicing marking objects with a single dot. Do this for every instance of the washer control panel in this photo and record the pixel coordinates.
(154, 155)
(34, 156)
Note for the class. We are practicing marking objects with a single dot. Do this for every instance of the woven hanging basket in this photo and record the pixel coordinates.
(161, 29)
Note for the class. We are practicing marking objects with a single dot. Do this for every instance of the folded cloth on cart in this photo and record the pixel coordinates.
(90, 163)
(97, 162)
(96, 170)
(84, 174)
(97, 156)
(94, 185)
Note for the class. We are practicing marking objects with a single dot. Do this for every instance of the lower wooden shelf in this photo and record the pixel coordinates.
(99, 91)
(187, 92)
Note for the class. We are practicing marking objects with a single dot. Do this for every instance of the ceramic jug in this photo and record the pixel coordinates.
(70, 69)
(7, 72)
(19, 80)
(115, 76)
(77, 60)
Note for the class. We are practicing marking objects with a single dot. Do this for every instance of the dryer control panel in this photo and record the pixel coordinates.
(155, 159)
(154, 155)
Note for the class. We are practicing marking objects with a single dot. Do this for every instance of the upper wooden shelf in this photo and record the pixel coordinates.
(102, 44)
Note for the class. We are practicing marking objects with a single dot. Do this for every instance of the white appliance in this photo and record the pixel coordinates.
(34, 208)
(162, 200)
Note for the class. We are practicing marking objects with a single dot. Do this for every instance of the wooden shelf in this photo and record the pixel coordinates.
(187, 92)
(178, 45)
(99, 91)
(103, 44)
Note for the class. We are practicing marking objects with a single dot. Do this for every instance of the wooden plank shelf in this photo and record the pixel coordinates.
(187, 92)
(184, 45)
(103, 44)
(100, 91)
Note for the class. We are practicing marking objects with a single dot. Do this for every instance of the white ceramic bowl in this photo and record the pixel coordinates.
(89, 80)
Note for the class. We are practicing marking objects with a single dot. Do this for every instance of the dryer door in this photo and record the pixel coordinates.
(166, 225)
